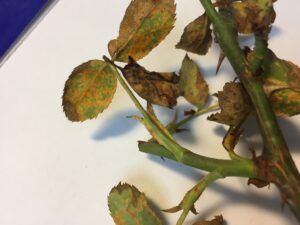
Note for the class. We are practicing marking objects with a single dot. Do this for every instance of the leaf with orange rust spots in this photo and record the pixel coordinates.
(192, 85)
(218, 220)
(279, 74)
(196, 37)
(128, 206)
(157, 88)
(145, 24)
(253, 15)
(234, 103)
(282, 84)
(285, 102)
(89, 90)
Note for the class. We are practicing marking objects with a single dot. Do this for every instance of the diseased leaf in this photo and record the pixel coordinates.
(192, 85)
(145, 24)
(196, 37)
(128, 206)
(89, 90)
(282, 85)
(157, 88)
(279, 74)
(285, 102)
(234, 103)
(218, 220)
(253, 15)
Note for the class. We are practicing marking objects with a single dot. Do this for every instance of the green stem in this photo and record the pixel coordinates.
(285, 175)
(194, 194)
(200, 112)
(259, 52)
(238, 168)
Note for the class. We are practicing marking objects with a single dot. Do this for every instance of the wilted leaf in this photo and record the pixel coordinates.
(282, 85)
(192, 85)
(145, 24)
(89, 90)
(234, 103)
(253, 15)
(196, 37)
(218, 220)
(231, 138)
(128, 206)
(156, 88)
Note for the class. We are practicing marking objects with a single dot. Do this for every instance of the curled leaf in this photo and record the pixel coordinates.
(156, 88)
(89, 90)
(282, 85)
(192, 85)
(231, 138)
(218, 220)
(196, 37)
(145, 24)
(253, 15)
(128, 206)
(234, 103)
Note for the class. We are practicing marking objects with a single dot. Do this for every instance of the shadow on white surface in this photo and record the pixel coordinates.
(117, 125)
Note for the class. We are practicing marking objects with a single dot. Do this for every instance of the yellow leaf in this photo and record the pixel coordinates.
(145, 24)
(89, 90)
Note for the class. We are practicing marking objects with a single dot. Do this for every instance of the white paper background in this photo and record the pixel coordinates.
(53, 171)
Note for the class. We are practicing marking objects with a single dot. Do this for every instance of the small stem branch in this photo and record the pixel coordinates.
(194, 194)
(197, 114)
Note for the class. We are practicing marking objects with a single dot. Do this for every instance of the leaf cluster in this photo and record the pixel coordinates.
(92, 85)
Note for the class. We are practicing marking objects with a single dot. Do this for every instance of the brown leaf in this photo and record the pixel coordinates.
(234, 103)
(192, 85)
(253, 15)
(258, 183)
(156, 88)
(145, 24)
(218, 220)
(196, 37)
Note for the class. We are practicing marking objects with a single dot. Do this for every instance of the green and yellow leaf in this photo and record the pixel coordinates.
(286, 102)
(145, 24)
(128, 206)
(282, 85)
(196, 37)
(192, 85)
(89, 90)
